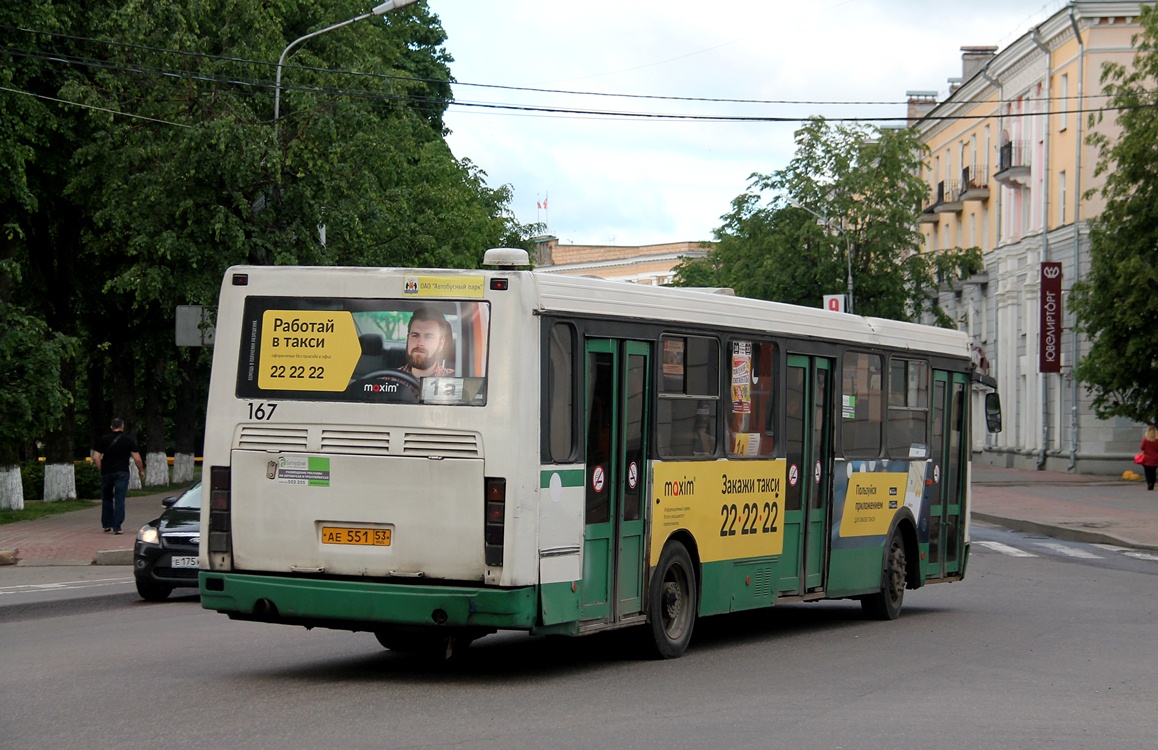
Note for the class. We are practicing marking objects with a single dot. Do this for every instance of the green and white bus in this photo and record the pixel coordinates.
(566, 455)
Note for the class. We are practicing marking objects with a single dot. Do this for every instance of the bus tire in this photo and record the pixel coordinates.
(436, 645)
(672, 602)
(886, 604)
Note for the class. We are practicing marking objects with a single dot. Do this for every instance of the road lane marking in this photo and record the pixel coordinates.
(62, 585)
(1005, 549)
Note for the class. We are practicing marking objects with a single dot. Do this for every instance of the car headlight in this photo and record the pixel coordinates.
(148, 535)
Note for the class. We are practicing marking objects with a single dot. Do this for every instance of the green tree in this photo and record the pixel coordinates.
(1115, 304)
(40, 241)
(32, 400)
(169, 167)
(849, 195)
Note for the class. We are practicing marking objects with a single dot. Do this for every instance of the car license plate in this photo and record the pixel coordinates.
(183, 562)
(346, 535)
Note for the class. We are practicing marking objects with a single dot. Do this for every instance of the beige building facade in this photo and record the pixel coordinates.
(653, 265)
(1008, 169)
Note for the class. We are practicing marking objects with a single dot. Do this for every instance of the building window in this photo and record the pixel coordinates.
(1064, 99)
(1061, 198)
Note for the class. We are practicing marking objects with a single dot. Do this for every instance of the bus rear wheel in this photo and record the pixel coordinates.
(438, 645)
(672, 601)
(886, 604)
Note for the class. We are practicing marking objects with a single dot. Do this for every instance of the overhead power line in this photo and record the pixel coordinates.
(503, 107)
(492, 86)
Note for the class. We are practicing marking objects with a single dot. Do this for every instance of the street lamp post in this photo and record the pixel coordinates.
(839, 230)
(377, 11)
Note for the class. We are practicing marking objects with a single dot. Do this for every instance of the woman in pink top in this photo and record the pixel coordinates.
(1149, 451)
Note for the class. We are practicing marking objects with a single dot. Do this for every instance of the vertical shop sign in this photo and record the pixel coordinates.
(1051, 312)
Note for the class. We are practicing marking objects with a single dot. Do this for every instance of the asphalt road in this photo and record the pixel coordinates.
(1050, 650)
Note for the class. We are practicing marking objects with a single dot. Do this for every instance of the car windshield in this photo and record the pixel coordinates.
(191, 498)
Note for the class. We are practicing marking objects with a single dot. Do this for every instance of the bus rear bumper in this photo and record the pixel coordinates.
(364, 605)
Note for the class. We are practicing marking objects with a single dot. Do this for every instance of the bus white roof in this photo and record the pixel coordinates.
(586, 295)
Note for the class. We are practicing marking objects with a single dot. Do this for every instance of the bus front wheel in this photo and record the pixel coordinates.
(672, 602)
(886, 604)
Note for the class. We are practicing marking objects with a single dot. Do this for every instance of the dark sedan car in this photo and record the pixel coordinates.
(165, 556)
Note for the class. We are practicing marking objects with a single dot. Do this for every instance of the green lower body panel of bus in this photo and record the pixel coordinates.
(362, 605)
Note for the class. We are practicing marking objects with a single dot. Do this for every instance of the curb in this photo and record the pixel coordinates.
(113, 557)
(1060, 532)
(102, 557)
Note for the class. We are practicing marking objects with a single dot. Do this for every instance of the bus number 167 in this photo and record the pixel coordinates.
(261, 411)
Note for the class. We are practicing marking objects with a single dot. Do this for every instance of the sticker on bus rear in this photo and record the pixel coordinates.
(443, 286)
(306, 471)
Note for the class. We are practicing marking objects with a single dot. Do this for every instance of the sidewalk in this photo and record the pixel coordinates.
(76, 538)
(1097, 509)
(1105, 510)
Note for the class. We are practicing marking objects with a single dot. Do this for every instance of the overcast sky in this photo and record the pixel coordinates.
(613, 180)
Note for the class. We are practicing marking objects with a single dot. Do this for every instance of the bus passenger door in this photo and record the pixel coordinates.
(820, 451)
(808, 440)
(618, 385)
(947, 490)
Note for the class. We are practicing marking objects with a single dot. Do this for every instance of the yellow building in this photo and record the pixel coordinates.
(1008, 168)
(640, 264)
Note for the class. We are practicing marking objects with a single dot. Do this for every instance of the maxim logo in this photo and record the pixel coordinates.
(676, 489)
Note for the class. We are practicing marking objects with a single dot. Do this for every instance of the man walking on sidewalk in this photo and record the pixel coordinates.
(111, 456)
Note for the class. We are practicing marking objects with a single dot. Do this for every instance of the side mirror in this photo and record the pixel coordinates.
(169, 501)
(993, 412)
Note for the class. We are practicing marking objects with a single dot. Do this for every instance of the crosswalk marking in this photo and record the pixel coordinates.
(1005, 549)
(1128, 552)
(1068, 551)
(1063, 549)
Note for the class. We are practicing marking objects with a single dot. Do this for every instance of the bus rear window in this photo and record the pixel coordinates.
(364, 350)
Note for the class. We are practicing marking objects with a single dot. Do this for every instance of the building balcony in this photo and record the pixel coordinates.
(948, 200)
(928, 216)
(974, 183)
(1013, 164)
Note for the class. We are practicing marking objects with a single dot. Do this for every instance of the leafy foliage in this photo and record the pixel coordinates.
(848, 198)
(32, 398)
(1115, 303)
(140, 157)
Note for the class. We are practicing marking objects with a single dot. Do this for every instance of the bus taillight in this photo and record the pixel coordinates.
(495, 519)
(219, 502)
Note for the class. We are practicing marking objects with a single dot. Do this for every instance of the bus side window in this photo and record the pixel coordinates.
(561, 393)
(687, 413)
(752, 418)
(906, 432)
(862, 405)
